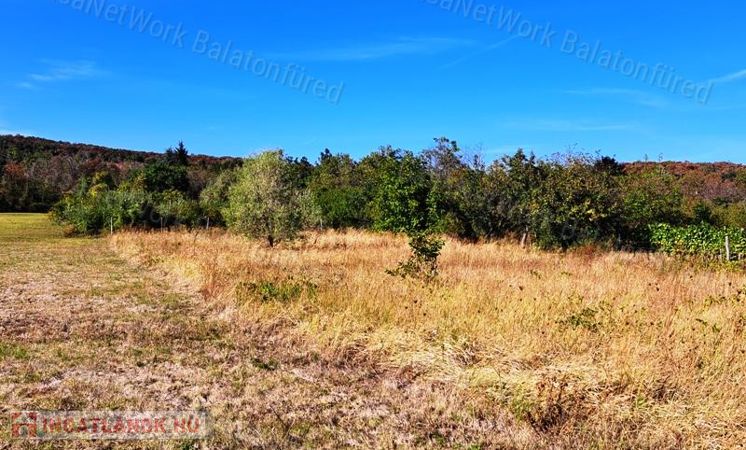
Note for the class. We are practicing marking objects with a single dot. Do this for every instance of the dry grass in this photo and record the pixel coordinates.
(81, 328)
(587, 350)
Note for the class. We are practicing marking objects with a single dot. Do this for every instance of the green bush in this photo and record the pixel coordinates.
(575, 204)
(174, 208)
(697, 240)
(423, 264)
(265, 202)
(337, 190)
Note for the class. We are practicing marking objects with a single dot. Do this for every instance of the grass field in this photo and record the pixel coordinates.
(607, 350)
(82, 328)
(314, 345)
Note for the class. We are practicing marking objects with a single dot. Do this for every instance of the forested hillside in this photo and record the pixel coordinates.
(35, 173)
(719, 182)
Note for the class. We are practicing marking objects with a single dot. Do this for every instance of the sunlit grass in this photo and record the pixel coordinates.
(596, 349)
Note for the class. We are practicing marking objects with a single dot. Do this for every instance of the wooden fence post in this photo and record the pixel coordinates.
(727, 248)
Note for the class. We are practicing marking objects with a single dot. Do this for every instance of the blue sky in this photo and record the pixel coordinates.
(409, 71)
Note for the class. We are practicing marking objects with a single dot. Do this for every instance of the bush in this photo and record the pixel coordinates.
(702, 240)
(89, 210)
(575, 204)
(337, 190)
(265, 202)
(175, 209)
(403, 201)
(649, 198)
(423, 264)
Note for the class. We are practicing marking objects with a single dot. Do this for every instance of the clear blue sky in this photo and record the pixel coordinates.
(411, 70)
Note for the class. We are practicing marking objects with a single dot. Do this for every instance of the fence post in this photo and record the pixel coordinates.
(727, 248)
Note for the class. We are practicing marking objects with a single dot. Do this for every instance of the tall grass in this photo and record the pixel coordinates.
(609, 350)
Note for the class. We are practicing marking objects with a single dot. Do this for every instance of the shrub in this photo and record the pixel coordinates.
(575, 204)
(403, 201)
(697, 240)
(265, 202)
(214, 198)
(649, 198)
(423, 264)
(174, 208)
(336, 188)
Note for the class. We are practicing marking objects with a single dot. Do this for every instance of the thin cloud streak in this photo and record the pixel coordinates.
(62, 71)
(487, 49)
(730, 78)
(630, 95)
(405, 46)
(568, 126)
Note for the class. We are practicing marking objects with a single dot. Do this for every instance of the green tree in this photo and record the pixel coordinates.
(178, 156)
(649, 198)
(455, 190)
(170, 173)
(161, 176)
(95, 205)
(265, 202)
(175, 208)
(574, 204)
(402, 201)
(507, 188)
(214, 198)
(338, 192)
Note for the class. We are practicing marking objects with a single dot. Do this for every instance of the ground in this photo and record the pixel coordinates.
(81, 328)
(312, 344)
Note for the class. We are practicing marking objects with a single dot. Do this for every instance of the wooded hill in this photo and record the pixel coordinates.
(719, 182)
(36, 172)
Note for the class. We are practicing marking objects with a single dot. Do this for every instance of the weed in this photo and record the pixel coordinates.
(585, 319)
(13, 351)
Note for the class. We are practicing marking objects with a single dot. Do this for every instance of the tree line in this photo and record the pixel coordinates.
(555, 203)
(36, 173)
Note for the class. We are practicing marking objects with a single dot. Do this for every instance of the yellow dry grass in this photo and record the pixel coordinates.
(593, 350)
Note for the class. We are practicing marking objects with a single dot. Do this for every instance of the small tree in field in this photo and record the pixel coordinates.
(214, 198)
(265, 202)
(404, 203)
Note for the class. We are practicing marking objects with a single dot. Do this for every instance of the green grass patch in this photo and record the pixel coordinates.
(13, 351)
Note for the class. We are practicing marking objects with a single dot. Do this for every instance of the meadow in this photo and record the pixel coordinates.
(313, 344)
(582, 349)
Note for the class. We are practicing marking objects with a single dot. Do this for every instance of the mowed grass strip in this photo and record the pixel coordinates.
(24, 228)
(80, 329)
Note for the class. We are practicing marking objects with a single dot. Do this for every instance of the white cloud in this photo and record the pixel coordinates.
(630, 95)
(481, 52)
(26, 85)
(567, 126)
(367, 52)
(729, 78)
(57, 71)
